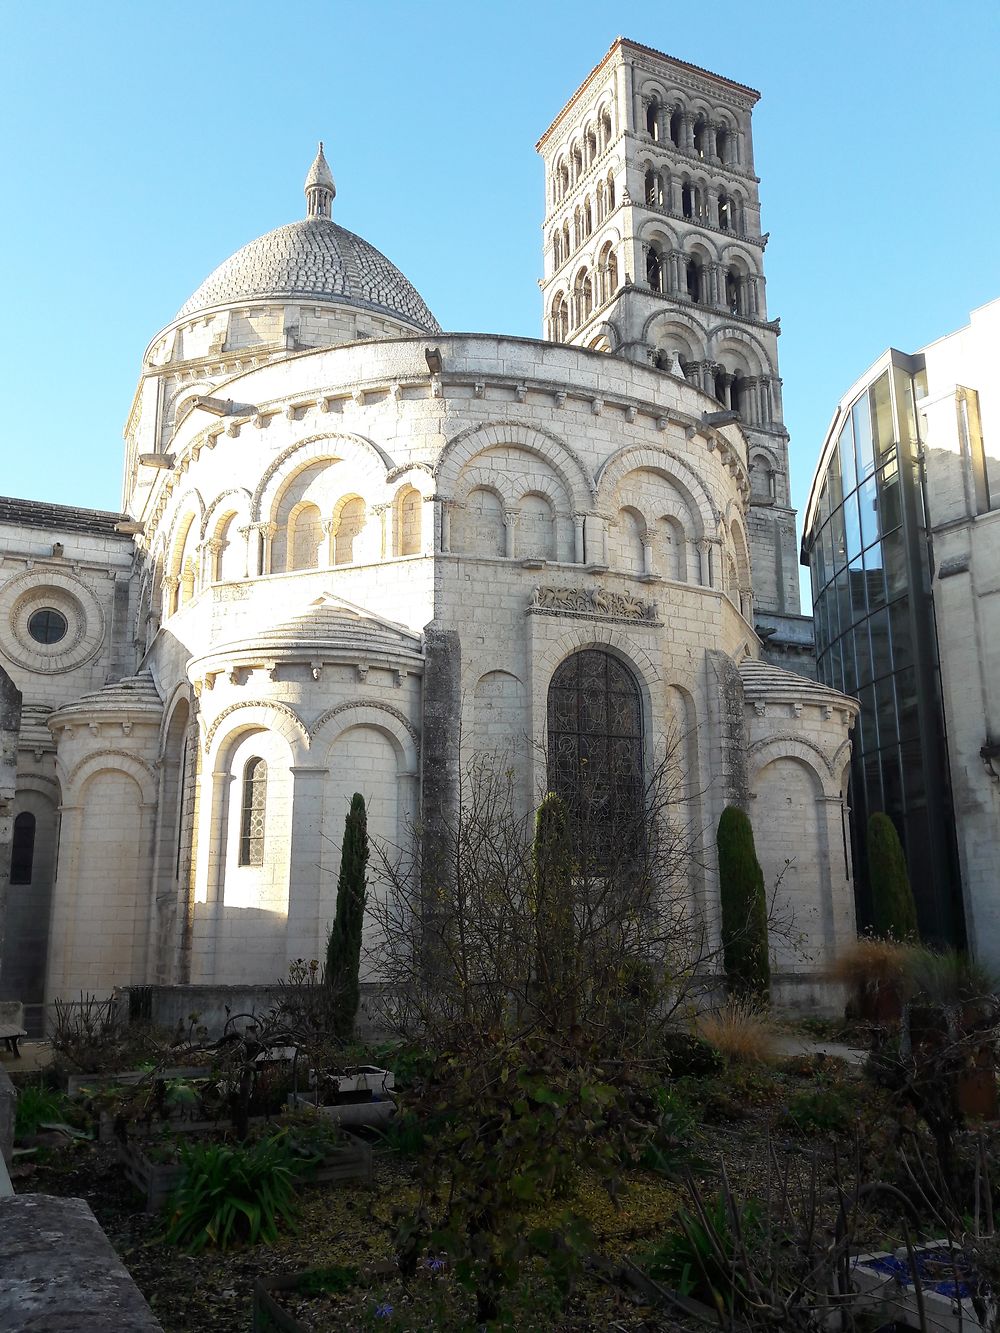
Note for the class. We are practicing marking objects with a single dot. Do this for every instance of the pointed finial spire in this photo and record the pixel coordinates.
(319, 187)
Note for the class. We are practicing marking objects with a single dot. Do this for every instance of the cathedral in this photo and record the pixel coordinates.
(354, 551)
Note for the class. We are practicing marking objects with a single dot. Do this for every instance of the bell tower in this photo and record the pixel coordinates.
(653, 251)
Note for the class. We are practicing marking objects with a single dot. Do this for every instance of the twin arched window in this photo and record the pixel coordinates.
(595, 753)
(252, 809)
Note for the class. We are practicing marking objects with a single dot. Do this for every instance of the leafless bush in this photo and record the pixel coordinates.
(456, 928)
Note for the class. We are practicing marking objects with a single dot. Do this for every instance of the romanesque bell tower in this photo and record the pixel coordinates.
(653, 251)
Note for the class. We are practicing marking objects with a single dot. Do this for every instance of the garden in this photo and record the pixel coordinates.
(582, 1120)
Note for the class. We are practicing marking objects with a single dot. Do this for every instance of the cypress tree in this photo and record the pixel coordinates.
(343, 949)
(893, 909)
(552, 861)
(744, 907)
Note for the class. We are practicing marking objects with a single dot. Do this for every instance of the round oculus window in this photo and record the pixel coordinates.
(47, 625)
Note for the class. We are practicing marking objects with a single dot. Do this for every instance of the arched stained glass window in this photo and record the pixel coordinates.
(22, 855)
(595, 752)
(252, 822)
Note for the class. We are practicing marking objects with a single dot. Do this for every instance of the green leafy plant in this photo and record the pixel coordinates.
(686, 1053)
(38, 1106)
(343, 950)
(893, 909)
(230, 1194)
(744, 907)
(697, 1259)
(669, 1150)
(830, 1109)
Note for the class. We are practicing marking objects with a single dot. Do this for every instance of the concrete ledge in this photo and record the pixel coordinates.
(171, 1007)
(61, 1274)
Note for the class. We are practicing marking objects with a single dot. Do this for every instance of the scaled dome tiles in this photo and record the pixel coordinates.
(313, 260)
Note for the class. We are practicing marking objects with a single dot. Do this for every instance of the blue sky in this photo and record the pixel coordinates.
(144, 143)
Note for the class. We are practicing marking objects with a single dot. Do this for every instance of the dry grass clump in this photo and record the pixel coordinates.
(871, 964)
(741, 1031)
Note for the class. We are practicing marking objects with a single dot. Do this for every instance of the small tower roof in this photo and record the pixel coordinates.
(320, 189)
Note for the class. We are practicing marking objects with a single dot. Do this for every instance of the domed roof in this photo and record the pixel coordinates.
(313, 260)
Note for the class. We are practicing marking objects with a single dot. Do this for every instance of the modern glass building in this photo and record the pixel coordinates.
(867, 544)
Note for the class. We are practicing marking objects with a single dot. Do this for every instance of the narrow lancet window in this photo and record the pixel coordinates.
(252, 821)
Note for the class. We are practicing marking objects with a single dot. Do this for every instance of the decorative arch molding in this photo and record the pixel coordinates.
(485, 479)
(187, 389)
(609, 329)
(737, 249)
(788, 746)
(462, 448)
(548, 489)
(40, 783)
(141, 772)
(769, 455)
(842, 756)
(656, 230)
(267, 710)
(718, 332)
(669, 317)
(210, 512)
(383, 717)
(312, 449)
(634, 457)
(405, 472)
(178, 530)
(604, 638)
(181, 694)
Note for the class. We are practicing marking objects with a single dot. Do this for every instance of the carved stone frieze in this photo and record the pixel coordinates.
(595, 603)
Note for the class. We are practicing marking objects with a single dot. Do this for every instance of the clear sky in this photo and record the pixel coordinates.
(143, 143)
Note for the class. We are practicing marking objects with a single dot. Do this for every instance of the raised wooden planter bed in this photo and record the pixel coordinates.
(158, 1180)
(348, 1112)
(74, 1084)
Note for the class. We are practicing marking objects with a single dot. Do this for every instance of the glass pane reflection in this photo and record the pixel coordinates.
(861, 417)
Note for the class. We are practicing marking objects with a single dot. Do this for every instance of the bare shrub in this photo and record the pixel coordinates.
(740, 1031)
(458, 931)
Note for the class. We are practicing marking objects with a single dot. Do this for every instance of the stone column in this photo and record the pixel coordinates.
(673, 199)
(510, 532)
(382, 513)
(705, 562)
(578, 543)
(445, 508)
(711, 150)
(171, 583)
(267, 531)
(330, 534)
(647, 555)
(687, 132)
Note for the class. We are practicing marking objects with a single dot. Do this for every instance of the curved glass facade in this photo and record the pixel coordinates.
(868, 550)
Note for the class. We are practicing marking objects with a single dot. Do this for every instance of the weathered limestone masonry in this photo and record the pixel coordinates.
(366, 552)
(66, 579)
(654, 251)
(10, 726)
